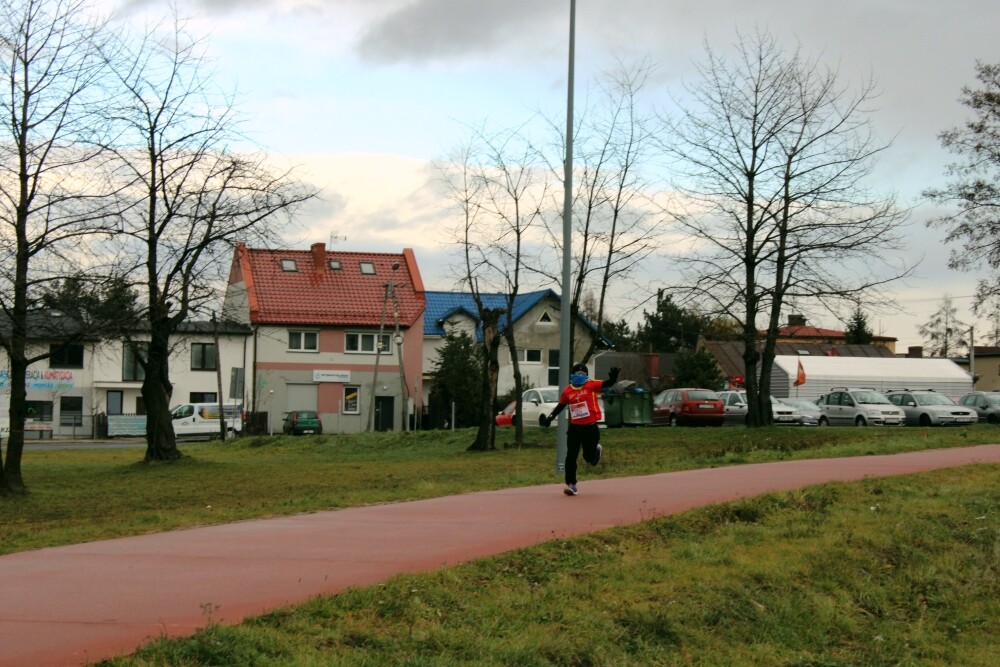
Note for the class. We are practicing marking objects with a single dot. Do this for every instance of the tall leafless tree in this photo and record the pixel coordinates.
(467, 192)
(772, 156)
(944, 333)
(54, 190)
(616, 229)
(514, 188)
(974, 188)
(192, 196)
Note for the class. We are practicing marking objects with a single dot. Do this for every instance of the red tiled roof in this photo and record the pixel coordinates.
(315, 294)
(803, 331)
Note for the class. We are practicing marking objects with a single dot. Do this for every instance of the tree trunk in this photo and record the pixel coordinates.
(518, 384)
(486, 435)
(161, 444)
(12, 483)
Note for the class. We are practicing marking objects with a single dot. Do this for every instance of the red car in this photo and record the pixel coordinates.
(506, 416)
(688, 407)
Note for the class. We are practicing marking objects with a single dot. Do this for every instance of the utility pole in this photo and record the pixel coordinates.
(566, 314)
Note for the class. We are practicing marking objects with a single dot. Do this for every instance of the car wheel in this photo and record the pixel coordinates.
(673, 420)
(541, 421)
(860, 421)
(925, 419)
(991, 419)
(823, 421)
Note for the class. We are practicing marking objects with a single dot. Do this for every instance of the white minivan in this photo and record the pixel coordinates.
(202, 419)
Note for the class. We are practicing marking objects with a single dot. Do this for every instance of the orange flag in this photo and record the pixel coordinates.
(800, 377)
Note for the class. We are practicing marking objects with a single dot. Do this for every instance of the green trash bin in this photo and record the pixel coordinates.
(613, 410)
(637, 408)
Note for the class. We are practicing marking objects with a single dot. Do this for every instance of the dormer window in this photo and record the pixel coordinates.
(367, 268)
(545, 318)
(289, 265)
(335, 265)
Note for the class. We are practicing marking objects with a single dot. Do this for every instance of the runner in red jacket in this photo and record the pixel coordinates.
(584, 412)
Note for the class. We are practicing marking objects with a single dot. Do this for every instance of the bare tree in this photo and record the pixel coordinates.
(54, 193)
(192, 198)
(514, 190)
(772, 158)
(944, 333)
(615, 228)
(975, 185)
(467, 191)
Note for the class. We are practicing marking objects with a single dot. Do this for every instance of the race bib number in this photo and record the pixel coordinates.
(579, 411)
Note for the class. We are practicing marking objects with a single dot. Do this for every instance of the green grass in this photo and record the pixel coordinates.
(899, 571)
(82, 495)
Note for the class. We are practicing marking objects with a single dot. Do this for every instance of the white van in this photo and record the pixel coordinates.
(202, 419)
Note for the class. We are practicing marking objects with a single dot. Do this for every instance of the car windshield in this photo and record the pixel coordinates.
(870, 398)
(932, 399)
(702, 395)
(549, 395)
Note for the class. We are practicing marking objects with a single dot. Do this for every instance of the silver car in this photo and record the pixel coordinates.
(736, 409)
(809, 412)
(845, 406)
(926, 407)
(985, 403)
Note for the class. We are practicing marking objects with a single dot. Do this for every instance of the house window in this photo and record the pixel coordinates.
(289, 265)
(66, 356)
(554, 367)
(39, 411)
(132, 370)
(335, 265)
(303, 341)
(364, 343)
(116, 402)
(203, 397)
(71, 410)
(529, 356)
(203, 356)
(545, 318)
(367, 268)
(351, 402)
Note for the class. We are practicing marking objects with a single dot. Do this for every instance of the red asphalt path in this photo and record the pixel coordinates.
(86, 602)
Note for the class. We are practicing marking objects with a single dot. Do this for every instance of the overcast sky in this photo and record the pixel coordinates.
(366, 94)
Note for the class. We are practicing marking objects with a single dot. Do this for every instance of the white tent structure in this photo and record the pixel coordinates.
(880, 373)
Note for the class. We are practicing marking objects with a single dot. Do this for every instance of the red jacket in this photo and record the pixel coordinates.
(582, 402)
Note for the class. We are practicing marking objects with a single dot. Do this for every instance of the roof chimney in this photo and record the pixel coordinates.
(319, 257)
(915, 351)
(796, 320)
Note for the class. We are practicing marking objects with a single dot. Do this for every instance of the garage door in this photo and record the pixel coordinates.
(302, 396)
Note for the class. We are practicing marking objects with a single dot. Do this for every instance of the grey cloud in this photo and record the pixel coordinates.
(438, 29)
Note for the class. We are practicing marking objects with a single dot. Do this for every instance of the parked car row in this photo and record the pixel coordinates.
(841, 406)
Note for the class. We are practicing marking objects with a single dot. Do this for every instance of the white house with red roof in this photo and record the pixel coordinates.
(336, 332)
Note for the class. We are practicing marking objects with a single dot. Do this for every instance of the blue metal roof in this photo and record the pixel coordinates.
(441, 305)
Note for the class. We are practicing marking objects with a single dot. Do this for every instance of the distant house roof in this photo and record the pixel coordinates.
(442, 305)
(796, 328)
(45, 324)
(729, 354)
(321, 287)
